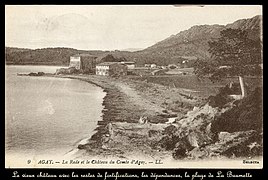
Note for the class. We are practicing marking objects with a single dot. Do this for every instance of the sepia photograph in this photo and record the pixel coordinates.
(134, 86)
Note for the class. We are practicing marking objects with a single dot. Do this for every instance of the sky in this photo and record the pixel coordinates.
(110, 27)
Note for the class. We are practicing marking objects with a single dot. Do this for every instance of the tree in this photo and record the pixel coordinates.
(232, 54)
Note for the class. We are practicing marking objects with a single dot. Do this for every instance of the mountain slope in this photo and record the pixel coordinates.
(253, 26)
(193, 43)
(190, 44)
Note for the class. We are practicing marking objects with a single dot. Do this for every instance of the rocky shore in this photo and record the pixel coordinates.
(137, 112)
(150, 121)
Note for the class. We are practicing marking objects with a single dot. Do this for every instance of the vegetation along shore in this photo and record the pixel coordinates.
(151, 120)
(194, 95)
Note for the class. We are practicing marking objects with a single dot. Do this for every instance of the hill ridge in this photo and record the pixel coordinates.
(188, 44)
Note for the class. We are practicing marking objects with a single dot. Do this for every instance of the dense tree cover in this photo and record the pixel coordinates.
(232, 54)
(61, 56)
(46, 56)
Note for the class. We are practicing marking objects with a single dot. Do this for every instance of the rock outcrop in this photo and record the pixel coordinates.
(232, 130)
(70, 70)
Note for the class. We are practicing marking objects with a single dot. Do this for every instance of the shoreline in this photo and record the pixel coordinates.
(122, 135)
(124, 105)
(126, 102)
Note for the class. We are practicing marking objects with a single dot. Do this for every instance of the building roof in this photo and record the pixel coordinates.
(107, 58)
(127, 62)
(101, 56)
(71, 60)
(107, 63)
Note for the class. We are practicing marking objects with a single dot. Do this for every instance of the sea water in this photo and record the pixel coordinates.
(47, 116)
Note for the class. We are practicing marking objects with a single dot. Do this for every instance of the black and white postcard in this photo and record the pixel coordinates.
(133, 86)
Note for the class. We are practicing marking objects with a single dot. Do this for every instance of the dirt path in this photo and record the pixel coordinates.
(126, 101)
(141, 98)
(137, 99)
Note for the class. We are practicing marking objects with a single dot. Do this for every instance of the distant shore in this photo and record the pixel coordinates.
(35, 64)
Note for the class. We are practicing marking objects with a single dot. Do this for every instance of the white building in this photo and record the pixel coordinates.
(75, 61)
(153, 65)
(129, 64)
(85, 62)
(150, 65)
(111, 68)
